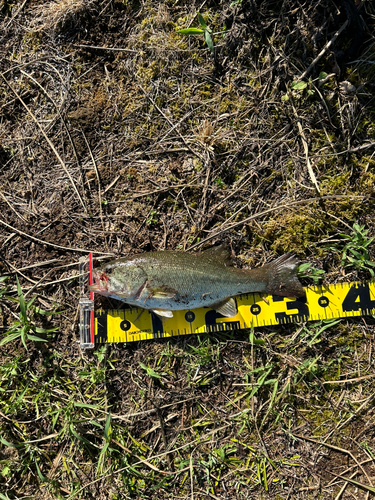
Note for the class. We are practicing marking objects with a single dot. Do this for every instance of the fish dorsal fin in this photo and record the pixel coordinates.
(220, 254)
(227, 308)
(164, 313)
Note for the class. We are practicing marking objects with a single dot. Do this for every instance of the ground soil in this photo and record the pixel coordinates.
(118, 136)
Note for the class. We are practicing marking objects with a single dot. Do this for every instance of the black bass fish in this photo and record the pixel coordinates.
(169, 281)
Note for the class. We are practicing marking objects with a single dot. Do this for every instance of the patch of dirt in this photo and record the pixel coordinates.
(119, 135)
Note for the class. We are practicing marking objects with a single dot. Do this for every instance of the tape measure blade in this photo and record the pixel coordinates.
(340, 300)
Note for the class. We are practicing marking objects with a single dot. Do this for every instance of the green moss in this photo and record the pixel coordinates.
(350, 336)
(335, 184)
(294, 231)
(31, 41)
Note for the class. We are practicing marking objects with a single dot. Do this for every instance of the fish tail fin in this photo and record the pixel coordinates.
(282, 277)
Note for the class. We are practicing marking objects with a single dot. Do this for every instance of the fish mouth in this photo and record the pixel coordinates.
(101, 282)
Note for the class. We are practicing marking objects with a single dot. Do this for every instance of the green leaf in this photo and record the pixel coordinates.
(23, 338)
(81, 438)
(107, 428)
(191, 31)
(12, 299)
(322, 75)
(40, 311)
(150, 371)
(21, 301)
(285, 97)
(363, 486)
(304, 267)
(7, 443)
(299, 85)
(36, 339)
(85, 405)
(10, 337)
(201, 21)
(259, 342)
(37, 329)
(29, 304)
(208, 40)
(43, 478)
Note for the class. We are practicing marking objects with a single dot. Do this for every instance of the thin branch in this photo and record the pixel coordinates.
(324, 50)
(306, 149)
(46, 138)
(269, 210)
(42, 242)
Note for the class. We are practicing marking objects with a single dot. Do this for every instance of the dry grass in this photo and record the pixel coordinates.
(119, 136)
(60, 15)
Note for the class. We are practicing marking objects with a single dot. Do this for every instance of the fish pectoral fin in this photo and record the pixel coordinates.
(164, 313)
(161, 292)
(228, 308)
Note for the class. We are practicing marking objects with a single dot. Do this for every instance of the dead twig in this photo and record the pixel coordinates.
(324, 50)
(306, 149)
(119, 49)
(12, 207)
(348, 380)
(170, 123)
(221, 230)
(46, 138)
(336, 448)
(42, 242)
(97, 178)
(61, 117)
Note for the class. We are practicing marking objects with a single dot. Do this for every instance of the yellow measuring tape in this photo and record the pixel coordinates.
(341, 300)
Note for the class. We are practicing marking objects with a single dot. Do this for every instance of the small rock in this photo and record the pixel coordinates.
(347, 88)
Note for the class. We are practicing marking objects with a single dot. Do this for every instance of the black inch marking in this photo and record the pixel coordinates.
(358, 298)
(299, 304)
(211, 317)
(157, 326)
(211, 325)
(159, 334)
(323, 301)
(101, 330)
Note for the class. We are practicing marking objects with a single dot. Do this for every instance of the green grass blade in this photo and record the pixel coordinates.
(43, 478)
(107, 428)
(10, 445)
(209, 41)
(191, 31)
(10, 337)
(202, 22)
(21, 301)
(36, 339)
(37, 329)
(362, 486)
(85, 405)
(30, 302)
